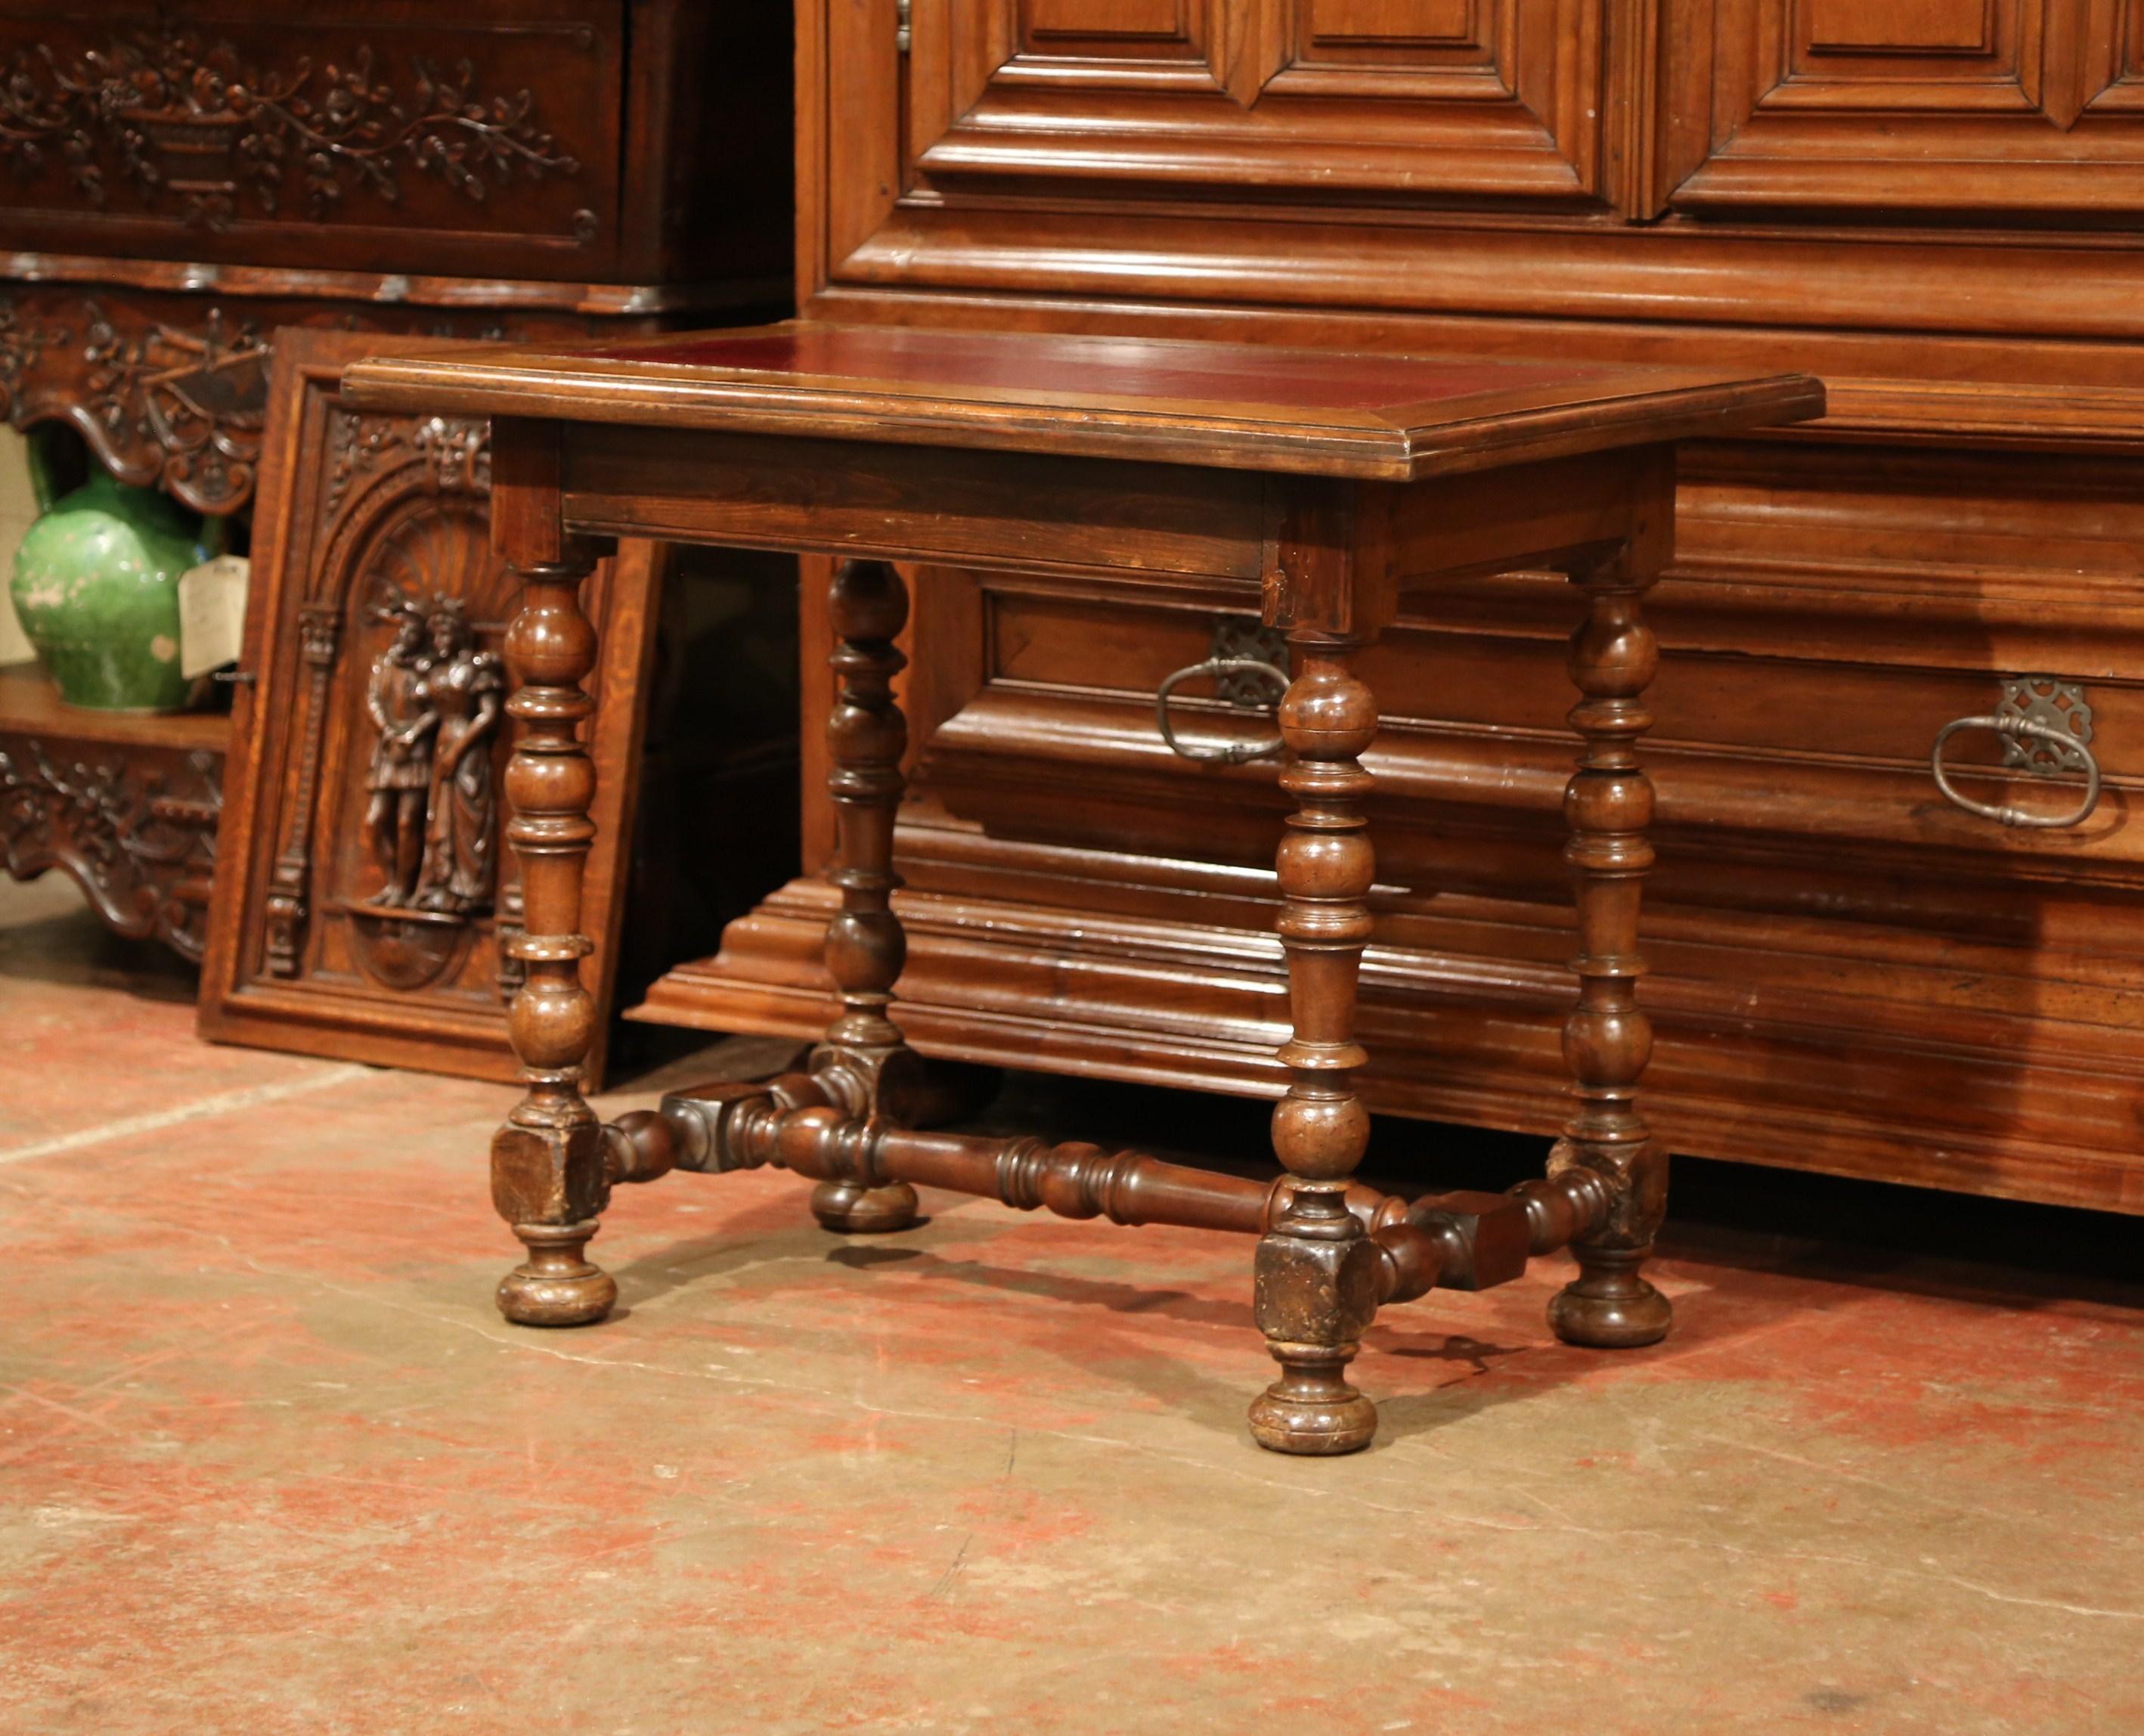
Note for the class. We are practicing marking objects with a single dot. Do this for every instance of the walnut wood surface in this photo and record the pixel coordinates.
(1848, 974)
(1459, 1240)
(126, 806)
(1335, 555)
(547, 1172)
(1607, 1038)
(359, 511)
(1315, 1290)
(560, 141)
(864, 1063)
(184, 180)
(31, 704)
(1244, 407)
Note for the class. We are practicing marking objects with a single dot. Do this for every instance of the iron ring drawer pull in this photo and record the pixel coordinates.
(2071, 749)
(1242, 752)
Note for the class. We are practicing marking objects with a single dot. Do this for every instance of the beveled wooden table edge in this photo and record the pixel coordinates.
(1527, 416)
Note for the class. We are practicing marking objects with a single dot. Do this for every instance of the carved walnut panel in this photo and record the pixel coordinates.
(134, 825)
(1422, 101)
(1893, 106)
(171, 389)
(363, 912)
(427, 139)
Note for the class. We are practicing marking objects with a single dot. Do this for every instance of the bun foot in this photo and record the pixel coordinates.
(1311, 1410)
(855, 1211)
(1608, 1305)
(556, 1285)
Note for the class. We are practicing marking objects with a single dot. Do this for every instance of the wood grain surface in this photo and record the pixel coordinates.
(1239, 406)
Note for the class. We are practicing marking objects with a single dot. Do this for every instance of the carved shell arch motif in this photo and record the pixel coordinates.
(407, 509)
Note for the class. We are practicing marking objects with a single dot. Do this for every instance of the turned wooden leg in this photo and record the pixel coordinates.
(548, 1175)
(1317, 1271)
(1607, 1040)
(865, 1064)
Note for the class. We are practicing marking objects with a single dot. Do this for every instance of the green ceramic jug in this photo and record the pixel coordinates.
(96, 589)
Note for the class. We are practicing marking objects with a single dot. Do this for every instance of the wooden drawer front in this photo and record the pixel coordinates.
(1848, 974)
(1794, 725)
(1823, 763)
(2000, 106)
(396, 136)
(1420, 99)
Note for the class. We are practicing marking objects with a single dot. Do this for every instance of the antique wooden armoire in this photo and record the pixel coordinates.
(1934, 203)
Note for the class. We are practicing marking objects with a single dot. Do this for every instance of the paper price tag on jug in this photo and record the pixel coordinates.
(211, 613)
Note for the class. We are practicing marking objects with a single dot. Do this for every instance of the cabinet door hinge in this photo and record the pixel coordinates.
(902, 35)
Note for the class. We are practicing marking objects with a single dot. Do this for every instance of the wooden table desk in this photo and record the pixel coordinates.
(1341, 482)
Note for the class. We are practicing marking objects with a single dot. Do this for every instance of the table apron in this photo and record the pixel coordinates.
(1347, 550)
(924, 503)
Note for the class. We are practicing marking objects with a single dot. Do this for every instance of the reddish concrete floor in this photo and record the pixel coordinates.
(269, 1461)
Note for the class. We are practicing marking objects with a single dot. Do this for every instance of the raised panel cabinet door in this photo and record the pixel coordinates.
(1415, 101)
(2000, 107)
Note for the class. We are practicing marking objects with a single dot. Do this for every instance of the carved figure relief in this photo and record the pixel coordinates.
(182, 123)
(433, 705)
(435, 699)
(410, 865)
(400, 775)
(464, 686)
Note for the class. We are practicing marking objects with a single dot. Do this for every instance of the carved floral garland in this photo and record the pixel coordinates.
(124, 837)
(183, 122)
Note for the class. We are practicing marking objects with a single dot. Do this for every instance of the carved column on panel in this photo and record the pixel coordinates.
(320, 626)
(509, 928)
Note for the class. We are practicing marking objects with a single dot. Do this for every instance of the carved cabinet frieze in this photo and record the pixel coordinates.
(172, 120)
(222, 130)
(175, 403)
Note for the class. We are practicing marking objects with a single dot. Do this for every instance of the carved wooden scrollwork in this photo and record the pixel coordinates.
(457, 447)
(170, 389)
(136, 830)
(160, 403)
(170, 122)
